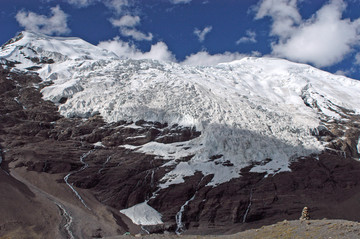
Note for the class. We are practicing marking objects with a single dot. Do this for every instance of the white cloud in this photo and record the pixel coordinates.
(136, 34)
(53, 24)
(203, 58)
(117, 5)
(158, 51)
(342, 73)
(324, 39)
(250, 37)
(126, 21)
(179, 1)
(81, 3)
(284, 13)
(127, 26)
(201, 34)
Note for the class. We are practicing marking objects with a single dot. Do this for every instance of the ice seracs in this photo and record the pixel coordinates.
(247, 111)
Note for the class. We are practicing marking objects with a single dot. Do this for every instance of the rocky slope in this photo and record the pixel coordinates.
(97, 159)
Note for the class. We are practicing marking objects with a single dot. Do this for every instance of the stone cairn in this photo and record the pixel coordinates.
(305, 215)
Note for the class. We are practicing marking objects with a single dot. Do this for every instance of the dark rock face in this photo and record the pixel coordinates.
(35, 136)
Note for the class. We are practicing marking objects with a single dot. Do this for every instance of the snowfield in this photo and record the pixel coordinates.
(143, 214)
(247, 110)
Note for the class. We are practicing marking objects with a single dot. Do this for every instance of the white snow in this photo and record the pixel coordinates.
(143, 214)
(129, 146)
(99, 144)
(133, 126)
(273, 167)
(247, 110)
(137, 137)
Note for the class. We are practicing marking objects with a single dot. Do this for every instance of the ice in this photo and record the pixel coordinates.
(143, 214)
(247, 110)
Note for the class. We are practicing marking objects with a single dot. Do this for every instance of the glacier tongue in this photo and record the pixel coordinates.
(248, 110)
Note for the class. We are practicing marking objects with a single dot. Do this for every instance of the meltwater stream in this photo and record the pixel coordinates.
(66, 178)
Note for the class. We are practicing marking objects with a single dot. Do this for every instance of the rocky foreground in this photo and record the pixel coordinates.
(286, 229)
(58, 181)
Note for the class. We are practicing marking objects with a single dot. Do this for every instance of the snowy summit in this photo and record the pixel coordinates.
(249, 110)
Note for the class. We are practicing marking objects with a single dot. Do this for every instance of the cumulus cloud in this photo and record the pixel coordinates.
(201, 34)
(161, 52)
(284, 13)
(324, 39)
(203, 58)
(179, 1)
(249, 37)
(127, 26)
(158, 51)
(56, 23)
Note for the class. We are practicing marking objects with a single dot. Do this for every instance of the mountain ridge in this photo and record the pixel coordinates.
(242, 95)
(191, 135)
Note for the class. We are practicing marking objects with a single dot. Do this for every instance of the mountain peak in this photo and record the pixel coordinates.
(252, 137)
(29, 45)
(248, 110)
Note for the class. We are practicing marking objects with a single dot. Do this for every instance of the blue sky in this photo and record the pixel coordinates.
(323, 33)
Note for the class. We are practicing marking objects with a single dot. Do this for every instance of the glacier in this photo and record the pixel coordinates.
(248, 111)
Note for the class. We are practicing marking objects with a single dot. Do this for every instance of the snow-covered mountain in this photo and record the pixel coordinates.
(181, 146)
(247, 111)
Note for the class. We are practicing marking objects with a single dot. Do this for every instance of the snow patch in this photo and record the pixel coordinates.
(273, 167)
(133, 126)
(99, 144)
(143, 214)
(128, 146)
